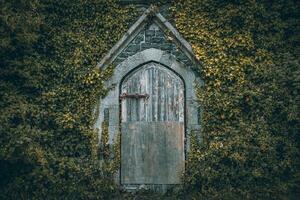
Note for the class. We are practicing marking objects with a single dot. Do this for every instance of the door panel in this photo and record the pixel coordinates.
(166, 95)
(152, 127)
(151, 153)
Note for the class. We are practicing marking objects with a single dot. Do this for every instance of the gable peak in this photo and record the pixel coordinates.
(150, 17)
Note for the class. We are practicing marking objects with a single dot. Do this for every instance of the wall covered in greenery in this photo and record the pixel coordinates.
(250, 55)
(249, 52)
(49, 86)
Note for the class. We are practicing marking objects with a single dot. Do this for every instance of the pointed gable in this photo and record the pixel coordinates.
(152, 90)
(151, 30)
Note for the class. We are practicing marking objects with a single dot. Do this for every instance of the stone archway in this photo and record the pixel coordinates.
(109, 106)
(152, 126)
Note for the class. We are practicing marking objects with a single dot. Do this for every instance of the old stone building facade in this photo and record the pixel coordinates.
(151, 102)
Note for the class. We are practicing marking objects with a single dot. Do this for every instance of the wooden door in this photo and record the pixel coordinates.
(152, 126)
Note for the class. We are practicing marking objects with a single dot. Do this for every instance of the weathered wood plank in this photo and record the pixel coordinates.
(165, 89)
(152, 141)
(152, 152)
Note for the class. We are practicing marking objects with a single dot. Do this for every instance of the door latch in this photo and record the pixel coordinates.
(135, 96)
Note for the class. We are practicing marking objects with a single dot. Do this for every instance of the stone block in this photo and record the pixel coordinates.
(123, 55)
(187, 63)
(159, 33)
(167, 47)
(130, 53)
(118, 60)
(112, 130)
(133, 62)
(152, 54)
(166, 59)
(180, 55)
(158, 40)
(155, 45)
(138, 39)
(150, 33)
(133, 48)
(153, 27)
(147, 39)
(145, 46)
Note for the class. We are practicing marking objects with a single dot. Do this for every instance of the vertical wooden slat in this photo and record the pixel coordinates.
(151, 94)
(129, 101)
(142, 91)
(137, 101)
(123, 104)
(156, 79)
(166, 95)
(172, 102)
(159, 93)
(181, 107)
(168, 100)
(176, 102)
(152, 145)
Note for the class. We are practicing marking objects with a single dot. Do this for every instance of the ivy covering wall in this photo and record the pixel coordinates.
(249, 52)
(49, 87)
(250, 55)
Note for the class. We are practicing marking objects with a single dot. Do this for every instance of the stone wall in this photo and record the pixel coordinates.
(153, 37)
(150, 44)
(162, 50)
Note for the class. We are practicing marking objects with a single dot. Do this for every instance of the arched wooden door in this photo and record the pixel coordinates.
(152, 126)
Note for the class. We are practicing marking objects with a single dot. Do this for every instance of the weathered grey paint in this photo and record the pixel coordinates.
(152, 147)
(165, 90)
(152, 152)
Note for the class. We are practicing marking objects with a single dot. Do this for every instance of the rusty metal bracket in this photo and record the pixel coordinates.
(135, 96)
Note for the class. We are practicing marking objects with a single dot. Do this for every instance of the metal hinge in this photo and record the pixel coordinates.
(135, 96)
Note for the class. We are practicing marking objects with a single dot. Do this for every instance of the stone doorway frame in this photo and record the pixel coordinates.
(155, 186)
(111, 102)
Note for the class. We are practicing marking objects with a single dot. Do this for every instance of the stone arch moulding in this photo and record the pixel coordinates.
(145, 43)
(111, 101)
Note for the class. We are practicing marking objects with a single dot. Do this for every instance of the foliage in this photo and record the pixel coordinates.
(49, 87)
(249, 52)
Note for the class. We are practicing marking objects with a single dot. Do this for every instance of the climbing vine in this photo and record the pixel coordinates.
(49, 87)
(249, 128)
